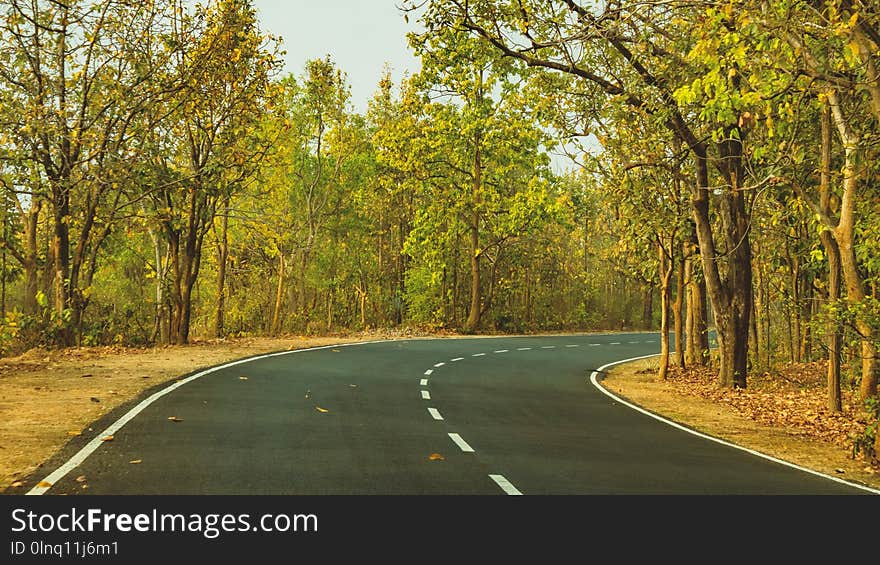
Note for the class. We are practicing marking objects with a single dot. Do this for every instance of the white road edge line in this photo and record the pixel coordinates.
(426, 395)
(461, 443)
(594, 379)
(505, 485)
(97, 441)
(423, 382)
(435, 413)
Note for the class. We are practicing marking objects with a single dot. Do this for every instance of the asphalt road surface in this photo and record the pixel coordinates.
(511, 415)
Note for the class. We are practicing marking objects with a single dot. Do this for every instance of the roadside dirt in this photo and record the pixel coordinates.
(781, 414)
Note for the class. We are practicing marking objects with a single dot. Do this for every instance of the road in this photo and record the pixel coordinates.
(482, 416)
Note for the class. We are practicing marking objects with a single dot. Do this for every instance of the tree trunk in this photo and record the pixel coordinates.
(222, 258)
(279, 296)
(731, 296)
(678, 312)
(647, 307)
(31, 263)
(833, 330)
(666, 269)
(475, 311)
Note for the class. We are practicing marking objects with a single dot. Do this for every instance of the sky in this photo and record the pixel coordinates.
(360, 36)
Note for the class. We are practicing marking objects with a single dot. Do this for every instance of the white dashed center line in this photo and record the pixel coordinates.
(502, 351)
(429, 371)
(435, 414)
(523, 348)
(461, 443)
(572, 346)
(614, 343)
(548, 347)
(438, 365)
(477, 354)
(505, 485)
(634, 342)
(426, 395)
(457, 359)
(594, 344)
(423, 382)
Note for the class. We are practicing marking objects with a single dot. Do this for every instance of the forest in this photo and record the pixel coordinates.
(163, 181)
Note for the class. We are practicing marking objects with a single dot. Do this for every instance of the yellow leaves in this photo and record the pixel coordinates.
(242, 378)
(321, 410)
(436, 457)
(107, 438)
(46, 484)
(136, 461)
(74, 433)
(174, 419)
(17, 484)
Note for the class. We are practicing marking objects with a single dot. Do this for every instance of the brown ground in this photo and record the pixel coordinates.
(782, 415)
(48, 397)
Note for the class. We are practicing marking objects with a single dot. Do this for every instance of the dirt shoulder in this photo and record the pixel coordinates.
(780, 415)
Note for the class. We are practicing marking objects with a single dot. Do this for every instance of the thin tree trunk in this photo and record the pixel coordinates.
(222, 258)
(475, 311)
(279, 295)
(678, 312)
(666, 269)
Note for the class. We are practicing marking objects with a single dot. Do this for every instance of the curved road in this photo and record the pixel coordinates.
(427, 416)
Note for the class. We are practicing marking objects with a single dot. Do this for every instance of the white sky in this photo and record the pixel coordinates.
(360, 36)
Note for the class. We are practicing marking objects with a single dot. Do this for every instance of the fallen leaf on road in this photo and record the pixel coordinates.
(174, 419)
(839, 471)
(436, 457)
(17, 484)
(44, 484)
(73, 434)
(93, 399)
(136, 461)
(81, 479)
(321, 410)
(353, 386)
(242, 378)
(107, 438)
(335, 351)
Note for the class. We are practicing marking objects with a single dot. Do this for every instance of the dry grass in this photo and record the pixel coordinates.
(802, 435)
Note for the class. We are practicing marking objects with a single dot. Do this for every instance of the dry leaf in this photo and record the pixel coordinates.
(436, 457)
(335, 350)
(242, 378)
(74, 434)
(17, 484)
(44, 484)
(136, 461)
(174, 419)
(108, 438)
(353, 386)
(321, 410)
(81, 479)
